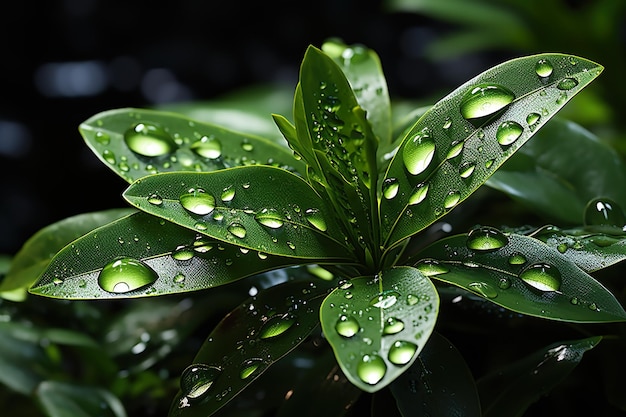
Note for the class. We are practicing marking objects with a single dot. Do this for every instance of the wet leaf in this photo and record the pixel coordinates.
(63, 399)
(378, 325)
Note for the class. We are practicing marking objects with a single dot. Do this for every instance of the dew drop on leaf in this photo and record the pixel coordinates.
(543, 68)
(228, 194)
(182, 253)
(451, 199)
(466, 169)
(418, 194)
(393, 325)
(486, 239)
(269, 218)
(109, 156)
(401, 352)
(418, 152)
(604, 212)
(208, 147)
(385, 299)
(237, 230)
(347, 326)
(508, 132)
(316, 219)
(430, 267)
(276, 325)
(484, 101)
(149, 140)
(567, 84)
(125, 274)
(390, 188)
(371, 369)
(542, 276)
(155, 199)
(483, 289)
(248, 367)
(197, 379)
(102, 138)
(197, 201)
(532, 118)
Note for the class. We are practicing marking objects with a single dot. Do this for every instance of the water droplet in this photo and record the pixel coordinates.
(393, 326)
(182, 253)
(532, 118)
(486, 239)
(208, 147)
(508, 132)
(604, 212)
(109, 156)
(401, 352)
(179, 278)
(155, 200)
(504, 283)
(430, 267)
(455, 149)
(412, 299)
(447, 123)
(197, 379)
(485, 101)
(249, 367)
(390, 188)
(347, 326)
(269, 218)
(385, 299)
(125, 274)
(544, 68)
(276, 325)
(483, 289)
(247, 146)
(149, 140)
(517, 259)
(371, 369)
(102, 138)
(197, 201)
(419, 194)
(542, 276)
(466, 169)
(567, 84)
(228, 194)
(451, 199)
(418, 152)
(237, 230)
(316, 219)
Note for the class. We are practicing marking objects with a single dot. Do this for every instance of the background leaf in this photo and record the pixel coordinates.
(62, 399)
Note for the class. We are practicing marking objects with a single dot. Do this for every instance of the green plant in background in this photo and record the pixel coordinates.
(331, 223)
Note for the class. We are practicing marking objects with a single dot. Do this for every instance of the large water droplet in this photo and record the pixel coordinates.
(390, 188)
(276, 325)
(508, 132)
(485, 101)
(315, 217)
(542, 276)
(149, 140)
(249, 367)
(483, 289)
(126, 274)
(604, 212)
(269, 218)
(393, 325)
(347, 326)
(401, 352)
(228, 194)
(455, 149)
(466, 169)
(486, 239)
(197, 379)
(237, 230)
(197, 201)
(371, 369)
(207, 147)
(418, 152)
(567, 84)
(430, 267)
(451, 199)
(419, 194)
(385, 299)
(544, 68)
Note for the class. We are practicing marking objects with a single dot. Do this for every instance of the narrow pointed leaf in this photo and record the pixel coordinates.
(248, 207)
(438, 383)
(465, 137)
(510, 391)
(141, 255)
(521, 274)
(245, 343)
(378, 325)
(139, 142)
(35, 255)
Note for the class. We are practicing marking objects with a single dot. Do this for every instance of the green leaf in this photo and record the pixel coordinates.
(510, 391)
(139, 142)
(439, 383)
(247, 207)
(146, 256)
(378, 325)
(521, 274)
(62, 399)
(560, 170)
(245, 343)
(35, 255)
(465, 137)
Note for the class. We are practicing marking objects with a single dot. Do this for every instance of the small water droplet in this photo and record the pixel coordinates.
(517, 259)
(269, 218)
(466, 169)
(182, 253)
(544, 68)
(249, 367)
(371, 369)
(419, 194)
(401, 352)
(451, 199)
(418, 152)
(197, 379)
(228, 194)
(102, 138)
(237, 230)
(533, 118)
(125, 274)
(542, 276)
(483, 289)
(208, 147)
(197, 201)
(385, 299)
(485, 101)
(179, 278)
(276, 325)
(247, 146)
(315, 218)
(155, 199)
(508, 132)
(504, 283)
(430, 267)
(149, 140)
(109, 156)
(390, 188)
(486, 239)
(455, 149)
(412, 299)
(447, 123)
(393, 325)
(347, 326)
(567, 84)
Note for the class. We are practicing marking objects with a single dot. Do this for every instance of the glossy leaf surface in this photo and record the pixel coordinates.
(247, 207)
(466, 136)
(378, 325)
(146, 256)
(521, 274)
(139, 142)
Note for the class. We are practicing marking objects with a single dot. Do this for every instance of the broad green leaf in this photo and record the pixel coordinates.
(560, 170)
(139, 142)
(363, 69)
(245, 343)
(510, 391)
(258, 208)
(465, 137)
(521, 274)
(439, 383)
(141, 255)
(35, 255)
(63, 399)
(377, 326)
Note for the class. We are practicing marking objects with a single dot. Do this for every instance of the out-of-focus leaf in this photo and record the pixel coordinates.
(438, 383)
(510, 391)
(35, 255)
(247, 207)
(62, 399)
(466, 136)
(245, 343)
(378, 325)
(142, 255)
(521, 274)
(139, 142)
(560, 170)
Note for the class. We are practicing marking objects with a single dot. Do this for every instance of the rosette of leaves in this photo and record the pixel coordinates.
(340, 197)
